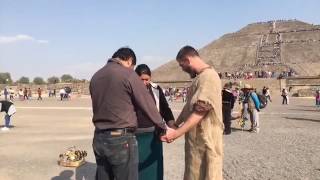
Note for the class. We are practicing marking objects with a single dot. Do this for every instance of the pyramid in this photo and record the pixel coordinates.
(280, 45)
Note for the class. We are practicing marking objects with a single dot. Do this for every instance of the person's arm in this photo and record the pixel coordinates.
(143, 99)
(200, 110)
(179, 120)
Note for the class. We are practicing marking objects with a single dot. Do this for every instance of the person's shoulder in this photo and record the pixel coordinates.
(211, 72)
(131, 76)
(209, 75)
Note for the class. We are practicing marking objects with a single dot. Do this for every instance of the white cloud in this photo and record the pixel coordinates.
(20, 38)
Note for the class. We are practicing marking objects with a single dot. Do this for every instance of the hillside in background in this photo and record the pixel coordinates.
(272, 46)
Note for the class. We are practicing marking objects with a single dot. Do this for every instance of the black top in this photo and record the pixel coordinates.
(228, 98)
(116, 91)
(165, 111)
(5, 105)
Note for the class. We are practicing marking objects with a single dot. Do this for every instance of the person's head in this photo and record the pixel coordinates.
(144, 73)
(187, 58)
(228, 86)
(247, 88)
(126, 56)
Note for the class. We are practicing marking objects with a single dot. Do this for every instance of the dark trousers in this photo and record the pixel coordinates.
(284, 100)
(226, 114)
(116, 156)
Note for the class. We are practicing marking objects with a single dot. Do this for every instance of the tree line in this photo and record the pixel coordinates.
(5, 78)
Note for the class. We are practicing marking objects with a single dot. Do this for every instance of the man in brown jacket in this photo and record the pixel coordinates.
(200, 119)
(116, 92)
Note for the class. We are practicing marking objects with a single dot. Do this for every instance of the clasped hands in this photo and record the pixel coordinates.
(171, 134)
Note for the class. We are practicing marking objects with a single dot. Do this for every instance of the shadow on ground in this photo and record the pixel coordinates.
(302, 119)
(84, 172)
(239, 129)
(10, 126)
(312, 110)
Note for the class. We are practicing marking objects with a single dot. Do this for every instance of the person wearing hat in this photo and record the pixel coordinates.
(227, 106)
(251, 107)
(9, 109)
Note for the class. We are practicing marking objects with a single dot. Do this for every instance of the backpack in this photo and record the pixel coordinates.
(256, 100)
(263, 100)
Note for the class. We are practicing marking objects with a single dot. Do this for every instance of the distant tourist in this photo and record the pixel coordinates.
(11, 91)
(39, 94)
(251, 107)
(5, 93)
(285, 96)
(227, 105)
(67, 95)
(266, 93)
(318, 98)
(25, 94)
(20, 93)
(62, 93)
(54, 92)
(9, 109)
(184, 95)
(29, 93)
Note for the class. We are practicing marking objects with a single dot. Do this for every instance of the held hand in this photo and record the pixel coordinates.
(171, 134)
(164, 138)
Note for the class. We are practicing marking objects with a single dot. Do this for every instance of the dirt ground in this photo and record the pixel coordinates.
(287, 147)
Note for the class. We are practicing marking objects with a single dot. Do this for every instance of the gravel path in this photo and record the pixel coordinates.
(288, 146)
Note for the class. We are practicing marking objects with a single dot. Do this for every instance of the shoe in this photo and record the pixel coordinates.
(5, 129)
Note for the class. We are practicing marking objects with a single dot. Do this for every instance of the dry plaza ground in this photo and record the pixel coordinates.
(287, 147)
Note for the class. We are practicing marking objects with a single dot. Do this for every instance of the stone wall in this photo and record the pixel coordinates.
(77, 88)
(297, 84)
(303, 86)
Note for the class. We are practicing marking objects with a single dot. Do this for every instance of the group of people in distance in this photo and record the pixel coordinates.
(132, 118)
(249, 102)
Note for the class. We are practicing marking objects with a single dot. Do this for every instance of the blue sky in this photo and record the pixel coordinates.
(54, 37)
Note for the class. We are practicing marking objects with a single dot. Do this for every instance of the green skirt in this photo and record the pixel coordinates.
(150, 156)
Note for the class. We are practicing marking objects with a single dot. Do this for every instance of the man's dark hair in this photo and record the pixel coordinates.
(143, 69)
(186, 51)
(125, 54)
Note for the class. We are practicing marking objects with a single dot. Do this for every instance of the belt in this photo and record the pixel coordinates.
(144, 130)
(116, 132)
